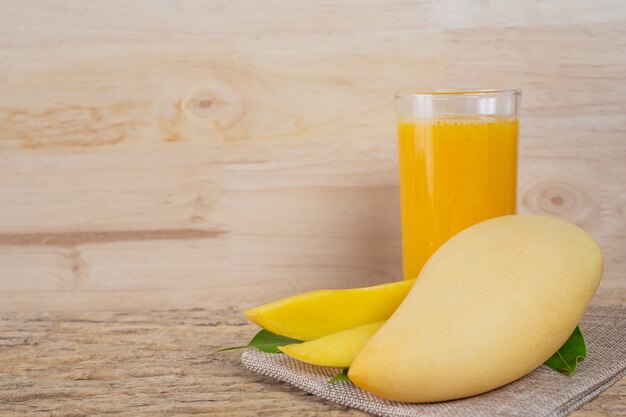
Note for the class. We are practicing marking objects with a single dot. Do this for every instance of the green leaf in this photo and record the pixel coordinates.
(567, 357)
(265, 342)
(343, 376)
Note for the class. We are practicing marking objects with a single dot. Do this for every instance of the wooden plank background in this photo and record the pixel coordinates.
(204, 153)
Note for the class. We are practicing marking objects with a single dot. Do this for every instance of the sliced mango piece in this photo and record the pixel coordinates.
(319, 313)
(336, 350)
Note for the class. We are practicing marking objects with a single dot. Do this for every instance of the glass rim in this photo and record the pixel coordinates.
(444, 92)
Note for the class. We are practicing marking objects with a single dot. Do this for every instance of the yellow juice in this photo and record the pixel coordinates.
(454, 172)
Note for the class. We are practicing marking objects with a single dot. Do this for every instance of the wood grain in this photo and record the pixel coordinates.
(162, 363)
(186, 154)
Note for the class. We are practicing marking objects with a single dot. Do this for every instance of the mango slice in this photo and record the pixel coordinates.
(336, 350)
(319, 313)
(490, 305)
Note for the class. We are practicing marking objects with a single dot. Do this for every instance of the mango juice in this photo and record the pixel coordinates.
(454, 172)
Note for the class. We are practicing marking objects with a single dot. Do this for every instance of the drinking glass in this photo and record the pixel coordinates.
(458, 165)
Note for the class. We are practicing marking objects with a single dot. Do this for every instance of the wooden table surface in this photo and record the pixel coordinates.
(163, 363)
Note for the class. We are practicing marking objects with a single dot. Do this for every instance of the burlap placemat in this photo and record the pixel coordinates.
(543, 392)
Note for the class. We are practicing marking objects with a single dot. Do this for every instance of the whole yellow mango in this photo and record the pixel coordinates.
(492, 304)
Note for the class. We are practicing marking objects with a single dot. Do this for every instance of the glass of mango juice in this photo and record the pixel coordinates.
(458, 165)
